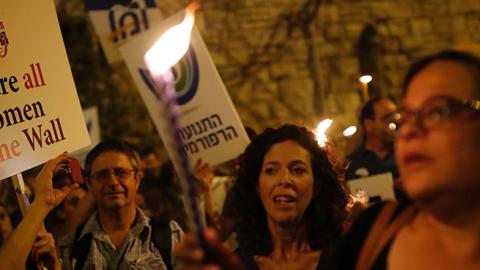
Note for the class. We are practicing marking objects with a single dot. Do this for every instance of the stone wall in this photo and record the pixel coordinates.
(292, 60)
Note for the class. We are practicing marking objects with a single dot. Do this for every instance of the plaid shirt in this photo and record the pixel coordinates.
(137, 251)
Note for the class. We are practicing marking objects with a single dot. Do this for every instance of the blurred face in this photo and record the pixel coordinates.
(70, 203)
(113, 180)
(6, 227)
(440, 159)
(286, 183)
(377, 127)
(151, 163)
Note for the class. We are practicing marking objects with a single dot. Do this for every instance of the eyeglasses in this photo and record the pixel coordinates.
(435, 111)
(119, 173)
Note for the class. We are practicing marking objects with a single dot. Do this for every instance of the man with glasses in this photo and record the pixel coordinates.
(118, 235)
(375, 154)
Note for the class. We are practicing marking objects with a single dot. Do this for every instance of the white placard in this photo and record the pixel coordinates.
(376, 185)
(116, 22)
(40, 114)
(211, 127)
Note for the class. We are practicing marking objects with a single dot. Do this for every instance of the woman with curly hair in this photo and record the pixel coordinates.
(289, 203)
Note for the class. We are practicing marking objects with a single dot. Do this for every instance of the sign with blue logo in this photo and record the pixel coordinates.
(186, 74)
(117, 21)
(210, 126)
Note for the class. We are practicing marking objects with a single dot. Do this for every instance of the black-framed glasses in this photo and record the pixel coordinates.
(119, 173)
(434, 111)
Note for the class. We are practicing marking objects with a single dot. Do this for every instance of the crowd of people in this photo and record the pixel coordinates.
(282, 204)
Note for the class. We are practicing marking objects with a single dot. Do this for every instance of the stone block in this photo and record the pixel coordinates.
(280, 70)
(262, 93)
(243, 94)
(397, 27)
(354, 30)
(328, 13)
(442, 25)
(389, 61)
(436, 8)
(402, 61)
(347, 65)
(391, 44)
(411, 43)
(334, 32)
(241, 53)
(297, 96)
(459, 23)
(421, 26)
(354, 11)
(328, 49)
(341, 84)
(280, 111)
(464, 6)
(391, 9)
(261, 109)
(382, 9)
(248, 119)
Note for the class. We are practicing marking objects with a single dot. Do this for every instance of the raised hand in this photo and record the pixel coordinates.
(44, 191)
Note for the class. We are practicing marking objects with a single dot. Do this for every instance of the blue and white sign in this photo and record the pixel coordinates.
(187, 77)
(210, 126)
(117, 21)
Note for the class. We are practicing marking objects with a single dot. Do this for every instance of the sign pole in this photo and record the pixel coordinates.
(22, 198)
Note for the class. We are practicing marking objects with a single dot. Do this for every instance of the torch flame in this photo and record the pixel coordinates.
(172, 45)
(321, 130)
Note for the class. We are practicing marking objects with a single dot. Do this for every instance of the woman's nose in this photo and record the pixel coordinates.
(410, 129)
(285, 177)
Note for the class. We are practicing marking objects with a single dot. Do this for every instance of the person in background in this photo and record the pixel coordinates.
(118, 235)
(218, 197)
(289, 207)
(375, 155)
(164, 200)
(6, 226)
(437, 155)
(58, 220)
(149, 162)
(28, 236)
(289, 203)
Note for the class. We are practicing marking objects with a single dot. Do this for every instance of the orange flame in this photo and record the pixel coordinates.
(172, 45)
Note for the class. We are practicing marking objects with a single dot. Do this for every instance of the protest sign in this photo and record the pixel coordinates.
(379, 185)
(117, 21)
(40, 114)
(210, 126)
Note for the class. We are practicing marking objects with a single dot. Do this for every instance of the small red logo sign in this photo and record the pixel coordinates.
(3, 41)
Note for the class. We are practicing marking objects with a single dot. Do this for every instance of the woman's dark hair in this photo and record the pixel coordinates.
(324, 215)
(470, 61)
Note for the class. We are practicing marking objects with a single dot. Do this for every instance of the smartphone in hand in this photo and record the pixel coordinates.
(67, 173)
